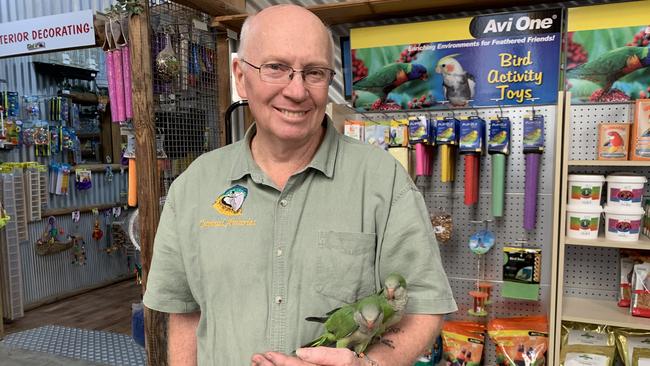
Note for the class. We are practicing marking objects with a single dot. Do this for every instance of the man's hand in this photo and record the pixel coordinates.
(321, 356)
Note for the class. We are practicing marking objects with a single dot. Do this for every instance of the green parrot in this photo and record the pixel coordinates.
(352, 326)
(469, 138)
(499, 138)
(393, 299)
(611, 66)
(389, 77)
(532, 137)
(446, 134)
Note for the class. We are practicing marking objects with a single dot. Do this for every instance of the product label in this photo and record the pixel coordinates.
(584, 224)
(585, 193)
(623, 227)
(625, 195)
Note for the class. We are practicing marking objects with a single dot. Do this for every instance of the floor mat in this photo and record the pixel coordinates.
(82, 344)
(23, 357)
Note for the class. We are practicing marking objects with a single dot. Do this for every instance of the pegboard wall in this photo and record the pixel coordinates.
(592, 272)
(461, 265)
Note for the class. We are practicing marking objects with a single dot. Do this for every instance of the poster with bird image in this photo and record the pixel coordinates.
(607, 57)
(488, 60)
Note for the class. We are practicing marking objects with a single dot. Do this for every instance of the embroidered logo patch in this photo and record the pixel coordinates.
(231, 201)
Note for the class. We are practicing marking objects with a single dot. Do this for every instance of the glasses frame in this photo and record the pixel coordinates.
(293, 72)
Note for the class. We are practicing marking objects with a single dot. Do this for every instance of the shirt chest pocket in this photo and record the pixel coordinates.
(345, 265)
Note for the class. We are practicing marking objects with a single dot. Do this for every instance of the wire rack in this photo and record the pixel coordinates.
(186, 108)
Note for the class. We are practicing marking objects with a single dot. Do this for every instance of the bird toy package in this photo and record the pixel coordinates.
(447, 138)
(640, 149)
(533, 149)
(462, 343)
(472, 130)
(520, 341)
(587, 344)
(420, 136)
(499, 148)
(522, 271)
(613, 141)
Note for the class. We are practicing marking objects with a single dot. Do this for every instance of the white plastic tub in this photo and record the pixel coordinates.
(585, 189)
(625, 190)
(623, 223)
(583, 221)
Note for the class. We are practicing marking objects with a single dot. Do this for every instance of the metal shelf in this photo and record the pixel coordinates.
(606, 312)
(609, 163)
(642, 243)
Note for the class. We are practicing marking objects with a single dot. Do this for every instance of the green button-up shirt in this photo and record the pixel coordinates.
(256, 260)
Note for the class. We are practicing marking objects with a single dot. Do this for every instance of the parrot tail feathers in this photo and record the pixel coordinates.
(317, 319)
(324, 340)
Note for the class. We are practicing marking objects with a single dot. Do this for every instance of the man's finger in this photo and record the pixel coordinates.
(327, 356)
(280, 359)
(260, 360)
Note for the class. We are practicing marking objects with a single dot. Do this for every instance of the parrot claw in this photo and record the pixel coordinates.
(387, 342)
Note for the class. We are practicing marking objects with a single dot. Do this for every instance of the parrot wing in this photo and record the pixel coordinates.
(382, 79)
(608, 67)
(337, 326)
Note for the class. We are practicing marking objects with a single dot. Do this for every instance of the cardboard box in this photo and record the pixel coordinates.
(640, 139)
(613, 141)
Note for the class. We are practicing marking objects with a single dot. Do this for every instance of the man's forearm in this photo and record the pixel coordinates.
(412, 335)
(181, 339)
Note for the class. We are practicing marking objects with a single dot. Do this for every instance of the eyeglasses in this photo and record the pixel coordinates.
(275, 73)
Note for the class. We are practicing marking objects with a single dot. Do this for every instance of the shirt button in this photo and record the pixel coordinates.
(278, 299)
(284, 203)
(279, 253)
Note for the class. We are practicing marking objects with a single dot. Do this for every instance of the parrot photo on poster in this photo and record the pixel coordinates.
(389, 77)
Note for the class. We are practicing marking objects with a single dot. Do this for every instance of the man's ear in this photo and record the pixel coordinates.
(239, 78)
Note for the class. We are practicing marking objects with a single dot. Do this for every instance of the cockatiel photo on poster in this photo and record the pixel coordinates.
(381, 82)
(459, 85)
(615, 142)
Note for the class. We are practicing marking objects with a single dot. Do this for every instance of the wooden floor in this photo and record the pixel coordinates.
(107, 309)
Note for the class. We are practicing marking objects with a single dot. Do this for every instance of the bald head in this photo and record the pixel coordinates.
(283, 21)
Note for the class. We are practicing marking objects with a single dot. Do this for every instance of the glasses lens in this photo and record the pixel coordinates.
(275, 73)
(318, 76)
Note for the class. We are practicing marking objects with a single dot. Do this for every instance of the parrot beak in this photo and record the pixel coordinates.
(371, 324)
(424, 77)
(391, 293)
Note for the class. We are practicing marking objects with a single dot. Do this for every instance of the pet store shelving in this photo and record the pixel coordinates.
(587, 277)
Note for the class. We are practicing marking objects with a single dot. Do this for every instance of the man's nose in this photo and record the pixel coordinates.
(296, 88)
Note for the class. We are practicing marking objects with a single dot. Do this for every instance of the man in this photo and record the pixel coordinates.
(290, 222)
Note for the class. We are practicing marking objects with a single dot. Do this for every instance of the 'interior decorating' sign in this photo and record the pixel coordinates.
(68, 30)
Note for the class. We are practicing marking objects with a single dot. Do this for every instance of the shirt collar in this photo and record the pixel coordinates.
(323, 160)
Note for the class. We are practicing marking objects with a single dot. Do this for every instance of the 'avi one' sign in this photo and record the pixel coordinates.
(69, 30)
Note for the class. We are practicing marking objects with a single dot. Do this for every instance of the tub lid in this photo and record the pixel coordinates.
(624, 210)
(626, 178)
(586, 177)
(593, 209)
